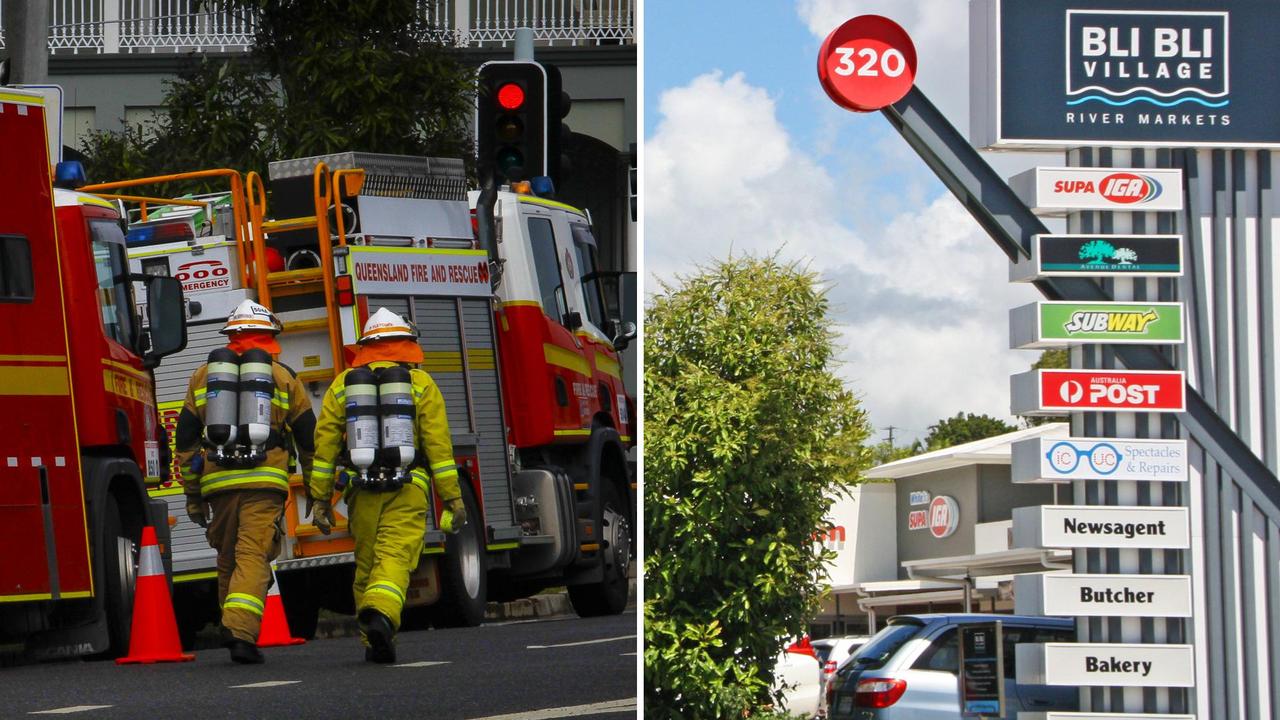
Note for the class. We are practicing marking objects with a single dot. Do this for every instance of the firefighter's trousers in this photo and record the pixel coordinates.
(388, 528)
(245, 530)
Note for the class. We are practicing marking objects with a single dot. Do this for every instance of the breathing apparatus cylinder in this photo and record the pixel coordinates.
(362, 418)
(257, 387)
(395, 404)
(221, 389)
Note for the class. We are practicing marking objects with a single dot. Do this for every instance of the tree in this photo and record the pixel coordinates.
(1125, 256)
(962, 428)
(748, 434)
(1051, 359)
(883, 452)
(1096, 251)
(322, 77)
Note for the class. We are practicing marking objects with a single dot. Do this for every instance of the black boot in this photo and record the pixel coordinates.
(245, 653)
(377, 628)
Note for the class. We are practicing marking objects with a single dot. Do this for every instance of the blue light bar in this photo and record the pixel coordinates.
(69, 175)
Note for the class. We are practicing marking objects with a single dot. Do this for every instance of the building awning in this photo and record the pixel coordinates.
(988, 451)
(1006, 562)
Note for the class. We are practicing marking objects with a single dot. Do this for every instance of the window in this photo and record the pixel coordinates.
(546, 265)
(114, 296)
(943, 654)
(585, 245)
(16, 284)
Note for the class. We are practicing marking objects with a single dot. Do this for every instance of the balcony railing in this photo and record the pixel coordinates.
(106, 27)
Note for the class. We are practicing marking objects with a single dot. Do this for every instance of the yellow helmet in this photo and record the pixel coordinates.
(249, 315)
(385, 324)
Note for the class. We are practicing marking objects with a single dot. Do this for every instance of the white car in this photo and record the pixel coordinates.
(797, 674)
(831, 653)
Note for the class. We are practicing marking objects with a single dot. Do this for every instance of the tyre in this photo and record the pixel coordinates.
(120, 568)
(463, 576)
(609, 596)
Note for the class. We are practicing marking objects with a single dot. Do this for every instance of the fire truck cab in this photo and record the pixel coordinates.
(79, 434)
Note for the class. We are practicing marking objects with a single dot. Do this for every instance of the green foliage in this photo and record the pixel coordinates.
(963, 428)
(1096, 251)
(1051, 359)
(883, 452)
(748, 433)
(324, 76)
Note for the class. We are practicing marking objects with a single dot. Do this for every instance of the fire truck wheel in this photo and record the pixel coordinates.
(464, 578)
(120, 566)
(609, 596)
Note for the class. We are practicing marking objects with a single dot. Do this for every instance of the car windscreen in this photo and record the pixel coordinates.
(880, 648)
(823, 652)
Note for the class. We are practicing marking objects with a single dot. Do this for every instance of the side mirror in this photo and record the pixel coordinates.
(167, 316)
(624, 338)
(572, 320)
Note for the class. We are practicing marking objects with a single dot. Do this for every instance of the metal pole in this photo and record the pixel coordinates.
(968, 596)
(27, 37)
(524, 43)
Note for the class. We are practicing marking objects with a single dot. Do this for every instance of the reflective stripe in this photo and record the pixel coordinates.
(280, 399)
(444, 465)
(386, 589)
(241, 601)
(200, 397)
(447, 474)
(419, 477)
(226, 478)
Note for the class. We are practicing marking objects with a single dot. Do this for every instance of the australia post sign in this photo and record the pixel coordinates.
(419, 271)
(1174, 73)
(1054, 392)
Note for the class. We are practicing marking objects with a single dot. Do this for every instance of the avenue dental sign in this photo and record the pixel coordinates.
(1169, 73)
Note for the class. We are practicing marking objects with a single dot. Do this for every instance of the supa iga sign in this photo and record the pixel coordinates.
(867, 63)
(941, 518)
(1057, 190)
(1054, 392)
(1173, 73)
(1100, 256)
(1042, 460)
(1105, 664)
(1054, 324)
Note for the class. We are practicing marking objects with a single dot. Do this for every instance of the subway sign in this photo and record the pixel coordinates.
(1059, 190)
(1100, 256)
(1055, 324)
(1048, 460)
(1056, 392)
(1169, 73)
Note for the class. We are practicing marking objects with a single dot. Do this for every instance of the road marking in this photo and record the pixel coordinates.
(584, 642)
(628, 654)
(600, 708)
(423, 663)
(69, 710)
(266, 684)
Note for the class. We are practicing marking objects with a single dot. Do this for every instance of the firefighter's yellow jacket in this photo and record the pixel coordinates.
(291, 418)
(434, 444)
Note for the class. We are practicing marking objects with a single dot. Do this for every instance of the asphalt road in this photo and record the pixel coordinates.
(569, 667)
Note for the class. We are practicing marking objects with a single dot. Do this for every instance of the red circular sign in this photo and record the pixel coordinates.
(944, 516)
(867, 63)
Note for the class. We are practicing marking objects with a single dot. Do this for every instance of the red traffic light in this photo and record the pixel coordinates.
(510, 96)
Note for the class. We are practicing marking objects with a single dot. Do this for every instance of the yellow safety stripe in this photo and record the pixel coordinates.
(608, 366)
(241, 601)
(200, 397)
(21, 98)
(419, 477)
(567, 359)
(444, 465)
(192, 577)
(573, 433)
(281, 399)
(35, 380)
(550, 203)
(226, 478)
(385, 589)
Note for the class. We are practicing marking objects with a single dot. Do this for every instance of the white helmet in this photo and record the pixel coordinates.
(385, 324)
(249, 315)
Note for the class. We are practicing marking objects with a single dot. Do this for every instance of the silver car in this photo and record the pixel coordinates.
(910, 669)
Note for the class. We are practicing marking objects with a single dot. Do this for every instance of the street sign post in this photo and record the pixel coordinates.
(1102, 595)
(1101, 526)
(1115, 256)
(1105, 664)
(1058, 460)
(1057, 392)
(1057, 324)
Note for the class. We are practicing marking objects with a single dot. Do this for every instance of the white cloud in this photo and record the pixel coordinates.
(921, 302)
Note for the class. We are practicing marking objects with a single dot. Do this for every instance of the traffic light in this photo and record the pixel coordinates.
(511, 120)
(558, 103)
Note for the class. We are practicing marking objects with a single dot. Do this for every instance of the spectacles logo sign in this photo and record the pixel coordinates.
(1159, 59)
(1065, 457)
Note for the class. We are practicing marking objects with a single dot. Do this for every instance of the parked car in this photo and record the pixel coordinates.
(910, 669)
(831, 652)
(797, 674)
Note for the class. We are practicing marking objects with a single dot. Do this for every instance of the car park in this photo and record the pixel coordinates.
(831, 653)
(910, 669)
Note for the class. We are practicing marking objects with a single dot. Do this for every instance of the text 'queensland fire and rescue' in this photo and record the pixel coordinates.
(471, 274)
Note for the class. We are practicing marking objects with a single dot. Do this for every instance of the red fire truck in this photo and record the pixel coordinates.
(79, 433)
(521, 335)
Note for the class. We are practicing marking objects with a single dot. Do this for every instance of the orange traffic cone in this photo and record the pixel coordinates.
(275, 626)
(155, 631)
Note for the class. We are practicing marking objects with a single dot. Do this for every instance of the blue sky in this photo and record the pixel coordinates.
(745, 153)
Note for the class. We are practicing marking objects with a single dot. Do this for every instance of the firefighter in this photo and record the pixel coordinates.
(236, 483)
(387, 517)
